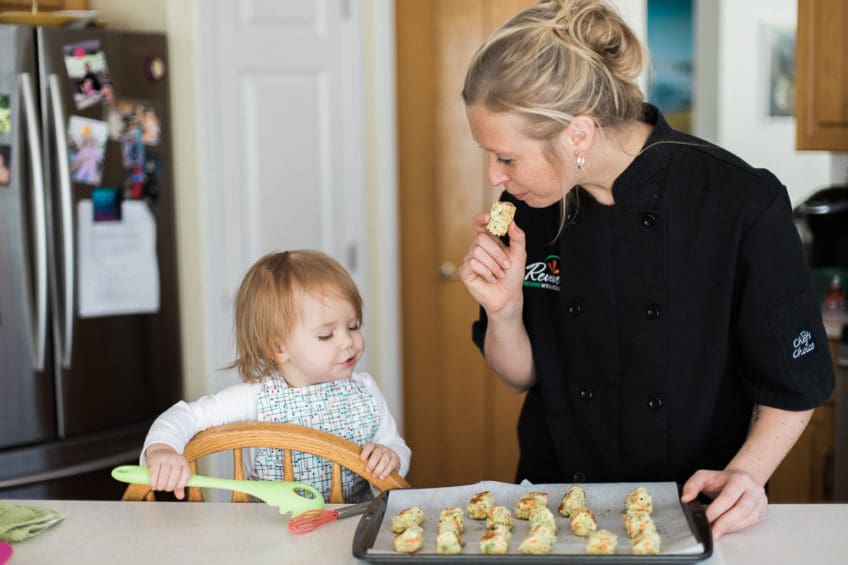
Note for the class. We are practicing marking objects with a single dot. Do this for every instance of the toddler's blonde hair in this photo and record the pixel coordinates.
(269, 304)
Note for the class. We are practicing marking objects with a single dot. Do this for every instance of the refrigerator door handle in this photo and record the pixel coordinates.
(39, 215)
(66, 214)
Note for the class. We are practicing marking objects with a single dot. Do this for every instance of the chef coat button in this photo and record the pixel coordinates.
(574, 309)
(653, 312)
(585, 393)
(578, 477)
(655, 403)
(648, 219)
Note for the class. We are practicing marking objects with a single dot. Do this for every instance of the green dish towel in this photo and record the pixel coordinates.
(18, 523)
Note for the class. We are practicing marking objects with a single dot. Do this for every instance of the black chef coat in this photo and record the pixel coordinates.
(657, 323)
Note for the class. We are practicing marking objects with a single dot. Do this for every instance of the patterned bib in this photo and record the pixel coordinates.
(344, 408)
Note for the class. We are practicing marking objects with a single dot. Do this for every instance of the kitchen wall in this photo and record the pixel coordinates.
(731, 66)
(729, 111)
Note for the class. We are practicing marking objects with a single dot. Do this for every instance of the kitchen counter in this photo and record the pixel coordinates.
(105, 533)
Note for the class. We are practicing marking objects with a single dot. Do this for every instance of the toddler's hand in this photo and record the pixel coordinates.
(381, 460)
(169, 470)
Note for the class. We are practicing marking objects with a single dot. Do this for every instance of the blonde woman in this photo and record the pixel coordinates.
(298, 318)
(652, 294)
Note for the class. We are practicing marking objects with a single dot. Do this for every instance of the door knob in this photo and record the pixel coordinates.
(448, 271)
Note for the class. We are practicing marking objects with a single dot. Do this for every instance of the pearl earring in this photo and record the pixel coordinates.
(581, 162)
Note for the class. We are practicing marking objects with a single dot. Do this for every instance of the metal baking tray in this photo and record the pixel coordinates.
(371, 522)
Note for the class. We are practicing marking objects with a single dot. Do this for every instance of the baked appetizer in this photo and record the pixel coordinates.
(647, 543)
(583, 522)
(495, 540)
(639, 499)
(637, 522)
(602, 542)
(535, 545)
(541, 516)
(449, 542)
(529, 502)
(452, 518)
(412, 516)
(499, 516)
(480, 504)
(409, 540)
(574, 498)
(500, 216)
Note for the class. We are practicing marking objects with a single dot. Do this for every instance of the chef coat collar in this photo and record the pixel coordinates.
(633, 187)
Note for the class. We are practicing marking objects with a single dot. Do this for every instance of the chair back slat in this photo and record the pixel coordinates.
(288, 437)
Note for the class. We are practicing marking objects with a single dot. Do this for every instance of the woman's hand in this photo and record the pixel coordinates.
(492, 272)
(169, 470)
(382, 460)
(738, 500)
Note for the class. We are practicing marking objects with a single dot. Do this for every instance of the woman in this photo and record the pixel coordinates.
(653, 296)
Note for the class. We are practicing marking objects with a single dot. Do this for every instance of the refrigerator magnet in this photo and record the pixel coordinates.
(85, 63)
(132, 150)
(106, 202)
(86, 146)
(154, 68)
(5, 165)
(5, 114)
(134, 184)
(126, 113)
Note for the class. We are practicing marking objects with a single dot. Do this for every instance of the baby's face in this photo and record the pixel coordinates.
(326, 343)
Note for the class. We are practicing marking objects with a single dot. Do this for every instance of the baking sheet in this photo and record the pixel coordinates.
(684, 533)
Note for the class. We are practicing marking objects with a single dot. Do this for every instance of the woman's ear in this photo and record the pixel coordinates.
(581, 133)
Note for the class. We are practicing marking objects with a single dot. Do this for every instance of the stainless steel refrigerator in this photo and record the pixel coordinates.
(89, 327)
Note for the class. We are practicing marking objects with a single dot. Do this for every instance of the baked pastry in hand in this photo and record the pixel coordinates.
(500, 216)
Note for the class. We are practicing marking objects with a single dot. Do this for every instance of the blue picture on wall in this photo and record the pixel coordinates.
(670, 33)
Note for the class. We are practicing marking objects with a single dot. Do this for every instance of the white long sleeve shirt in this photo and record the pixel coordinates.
(178, 424)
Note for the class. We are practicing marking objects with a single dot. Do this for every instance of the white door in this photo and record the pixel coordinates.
(282, 104)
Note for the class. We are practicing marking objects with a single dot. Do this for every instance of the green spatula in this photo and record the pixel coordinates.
(279, 494)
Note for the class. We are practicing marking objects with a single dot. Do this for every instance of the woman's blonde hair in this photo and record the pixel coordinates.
(269, 304)
(558, 59)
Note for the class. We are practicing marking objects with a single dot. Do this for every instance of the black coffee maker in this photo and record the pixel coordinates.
(822, 220)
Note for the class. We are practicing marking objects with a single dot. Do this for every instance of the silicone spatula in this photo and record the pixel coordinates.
(279, 494)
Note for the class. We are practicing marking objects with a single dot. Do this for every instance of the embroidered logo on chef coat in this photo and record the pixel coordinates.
(803, 344)
(543, 274)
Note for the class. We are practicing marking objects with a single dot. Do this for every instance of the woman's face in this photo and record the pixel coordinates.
(516, 161)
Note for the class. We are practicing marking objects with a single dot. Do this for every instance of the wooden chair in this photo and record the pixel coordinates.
(288, 437)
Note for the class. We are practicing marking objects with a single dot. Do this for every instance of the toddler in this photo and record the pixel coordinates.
(298, 320)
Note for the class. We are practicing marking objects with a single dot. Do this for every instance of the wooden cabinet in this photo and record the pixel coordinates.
(821, 75)
(43, 5)
(807, 473)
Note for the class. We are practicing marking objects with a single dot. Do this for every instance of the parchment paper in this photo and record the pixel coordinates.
(606, 500)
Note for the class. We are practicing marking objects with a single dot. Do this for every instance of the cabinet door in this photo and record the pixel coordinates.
(822, 75)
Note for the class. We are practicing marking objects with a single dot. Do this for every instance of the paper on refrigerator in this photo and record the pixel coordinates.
(118, 267)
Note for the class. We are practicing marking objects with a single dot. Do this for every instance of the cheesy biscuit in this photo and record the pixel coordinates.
(480, 504)
(412, 516)
(574, 498)
(500, 216)
(409, 540)
(602, 542)
(529, 502)
(583, 522)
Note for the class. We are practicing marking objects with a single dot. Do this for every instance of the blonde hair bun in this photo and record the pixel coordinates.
(558, 59)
